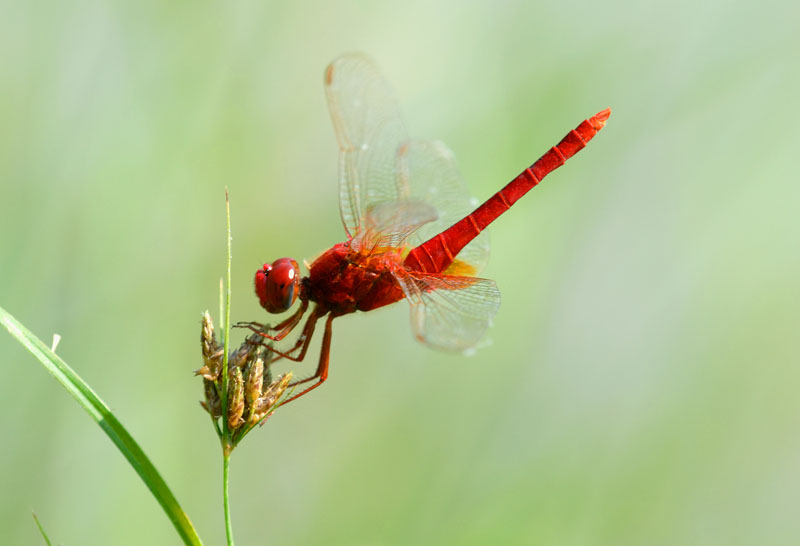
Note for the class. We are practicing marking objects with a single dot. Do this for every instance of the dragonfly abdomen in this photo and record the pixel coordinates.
(437, 253)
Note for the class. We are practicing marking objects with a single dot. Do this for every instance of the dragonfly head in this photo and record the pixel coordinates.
(278, 284)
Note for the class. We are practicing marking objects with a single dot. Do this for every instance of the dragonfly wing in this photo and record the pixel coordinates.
(369, 128)
(427, 171)
(449, 312)
(390, 223)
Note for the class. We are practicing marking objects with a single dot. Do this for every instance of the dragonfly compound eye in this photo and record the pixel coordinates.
(277, 285)
(261, 284)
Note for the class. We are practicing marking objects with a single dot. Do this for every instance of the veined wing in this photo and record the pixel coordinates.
(447, 311)
(386, 225)
(427, 171)
(369, 129)
(383, 176)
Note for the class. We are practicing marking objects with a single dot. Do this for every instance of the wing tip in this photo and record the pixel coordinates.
(329, 74)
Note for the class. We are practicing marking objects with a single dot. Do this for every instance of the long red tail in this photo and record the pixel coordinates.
(437, 253)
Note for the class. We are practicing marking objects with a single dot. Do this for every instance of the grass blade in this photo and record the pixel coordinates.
(41, 530)
(98, 410)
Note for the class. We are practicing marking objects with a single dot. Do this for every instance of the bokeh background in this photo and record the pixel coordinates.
(641, 384)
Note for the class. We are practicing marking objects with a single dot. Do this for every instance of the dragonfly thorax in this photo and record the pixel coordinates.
(344, 280)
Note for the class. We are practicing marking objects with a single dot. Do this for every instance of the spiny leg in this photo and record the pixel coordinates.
(303, 341)
(283, 328)
(322, 368)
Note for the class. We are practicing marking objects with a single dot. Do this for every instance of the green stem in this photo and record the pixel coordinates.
(226, 459)
(226, 326)
(227, 437)
(41, 530)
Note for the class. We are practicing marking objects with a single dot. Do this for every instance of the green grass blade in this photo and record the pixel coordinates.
(41, 530)
(98, 410)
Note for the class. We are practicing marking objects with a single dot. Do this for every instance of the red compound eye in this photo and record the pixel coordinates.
(277, 285)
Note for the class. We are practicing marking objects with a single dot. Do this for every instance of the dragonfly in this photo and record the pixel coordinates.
(412, 230)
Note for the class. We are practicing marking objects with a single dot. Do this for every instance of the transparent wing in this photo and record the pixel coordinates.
(388, 224)
(369, 128)
(447, 311)
(379, 166)
(427, 171)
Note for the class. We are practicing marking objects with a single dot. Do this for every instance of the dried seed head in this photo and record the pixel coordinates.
(235, 398)
(212, 404)
(212, 352)
(252, 395)
(207, 336)
(264, 410)
(239, 357)
(272, 394)
(258, 345)
(254, 382)
(278, 386)
(265, 353)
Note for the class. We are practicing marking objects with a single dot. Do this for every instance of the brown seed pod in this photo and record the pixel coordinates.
(235, 398)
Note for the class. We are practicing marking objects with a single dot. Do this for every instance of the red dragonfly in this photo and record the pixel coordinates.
(411, 229)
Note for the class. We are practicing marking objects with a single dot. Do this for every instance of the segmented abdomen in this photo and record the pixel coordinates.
(438, 252)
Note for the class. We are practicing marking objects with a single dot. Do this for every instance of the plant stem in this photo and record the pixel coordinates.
(226, 459)
(227, 437)
(226, 326)
(41, 530)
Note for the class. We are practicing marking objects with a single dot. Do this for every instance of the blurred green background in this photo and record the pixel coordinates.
(641, 384)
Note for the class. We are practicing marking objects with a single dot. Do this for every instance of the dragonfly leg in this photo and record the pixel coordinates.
(282, 329)
(322, 368)
(303, 341)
